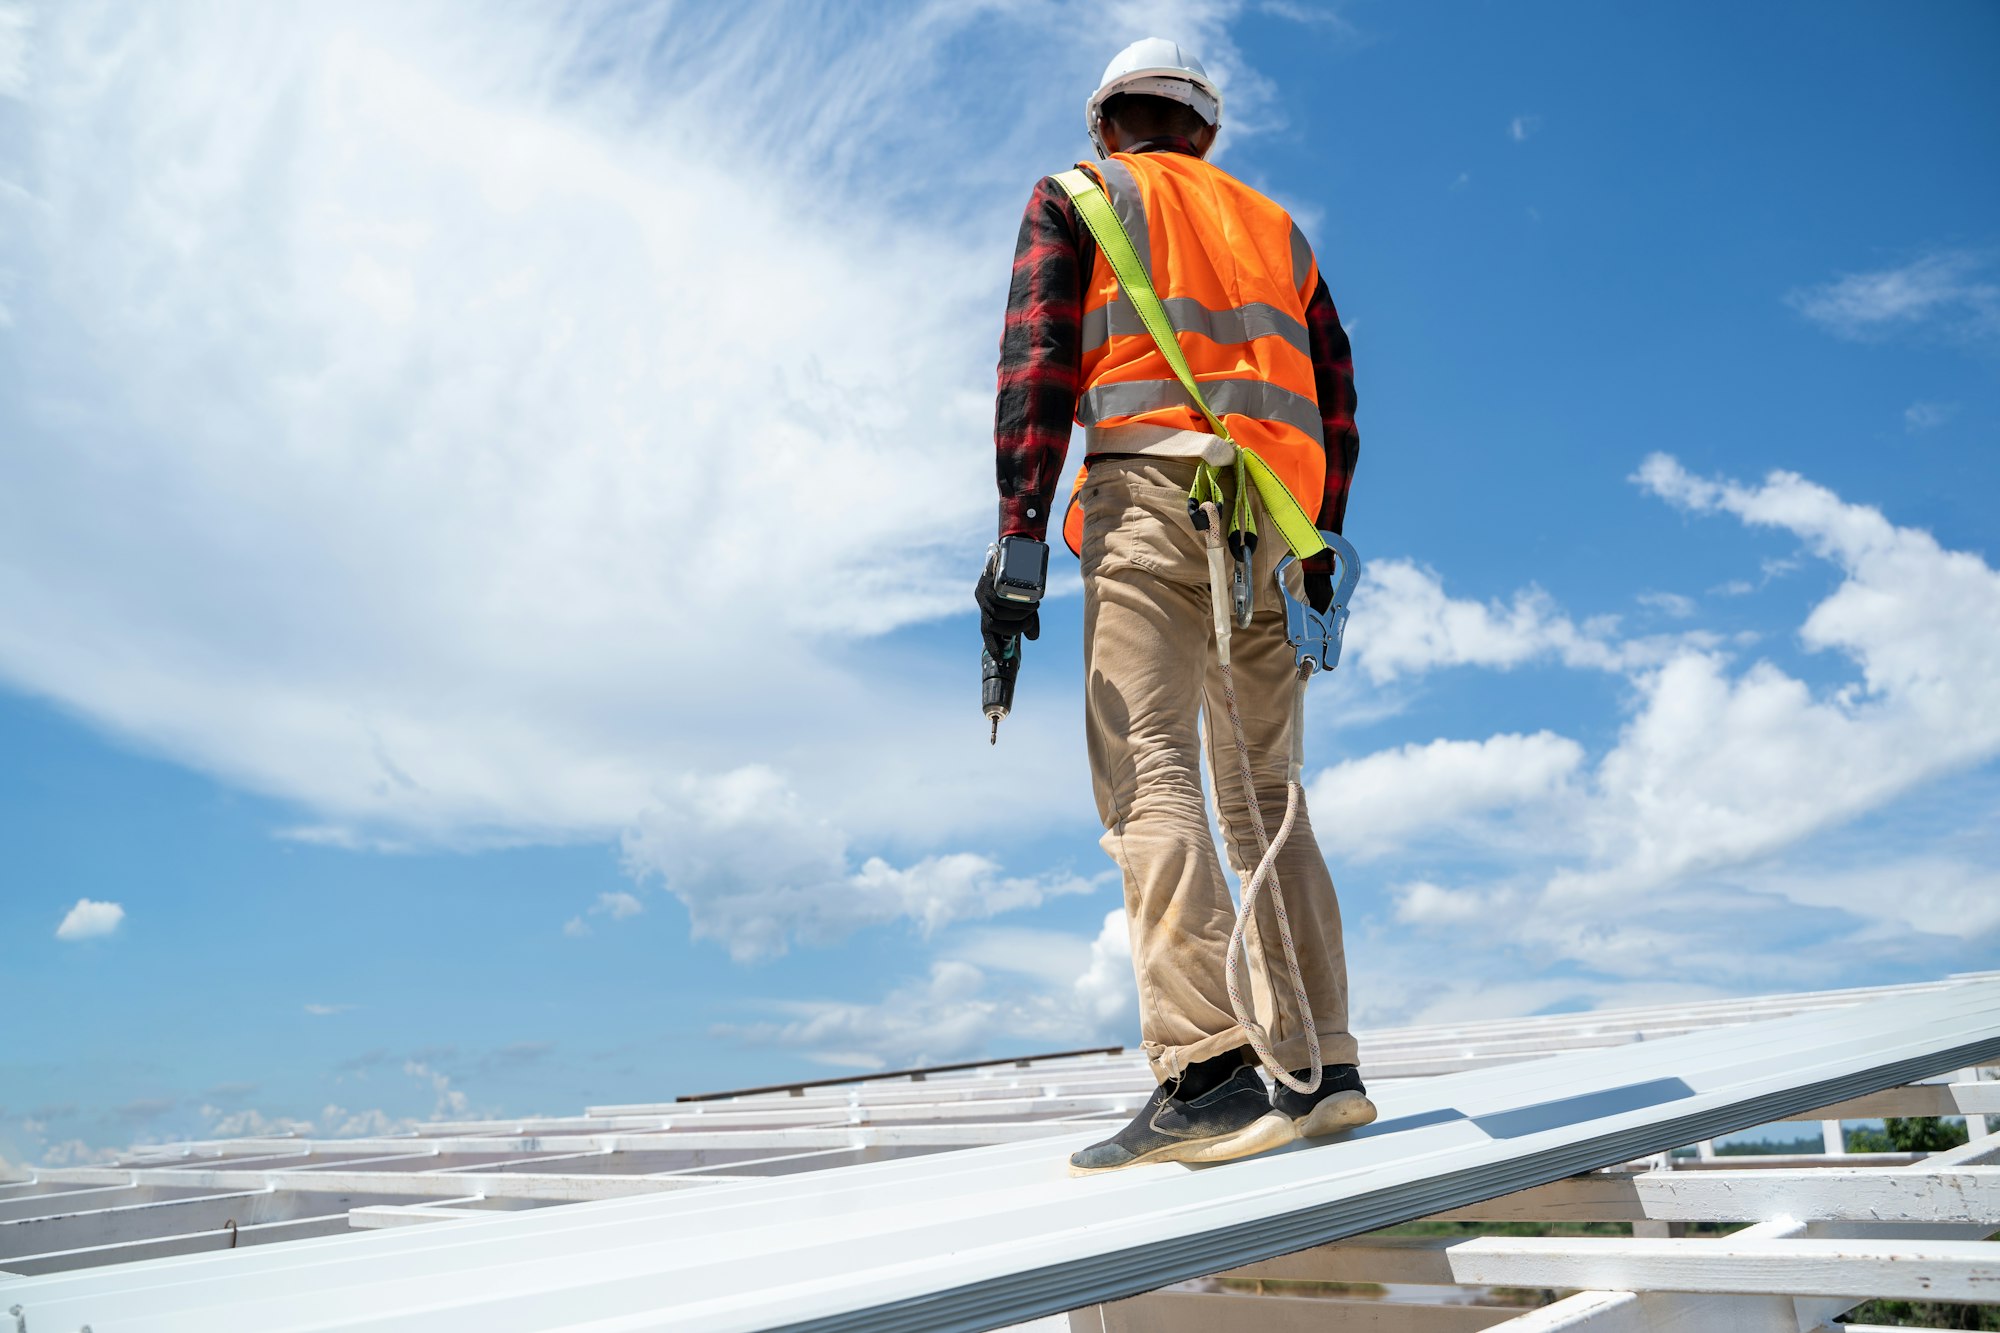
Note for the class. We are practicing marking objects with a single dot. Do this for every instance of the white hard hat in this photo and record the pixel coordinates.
(1155, 67)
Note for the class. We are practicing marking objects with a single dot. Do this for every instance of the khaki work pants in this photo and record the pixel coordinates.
(1151, 670)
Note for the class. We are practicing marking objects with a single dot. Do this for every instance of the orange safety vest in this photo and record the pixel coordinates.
(1235, 274)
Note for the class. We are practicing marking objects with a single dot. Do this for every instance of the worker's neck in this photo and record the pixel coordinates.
(1163, 143)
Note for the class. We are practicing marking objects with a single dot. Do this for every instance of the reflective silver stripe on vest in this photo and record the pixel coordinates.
(1302, 258)
(1240, 325)
(1129, 205)
(1244, 398)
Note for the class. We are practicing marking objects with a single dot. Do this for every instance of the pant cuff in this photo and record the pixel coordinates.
(1335, 1048)
(1169, 1061)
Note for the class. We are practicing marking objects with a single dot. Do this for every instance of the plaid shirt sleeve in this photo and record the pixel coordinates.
(1333, 380)
(1041, 357)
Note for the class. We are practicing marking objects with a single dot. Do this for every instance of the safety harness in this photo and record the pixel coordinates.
(1315, 636)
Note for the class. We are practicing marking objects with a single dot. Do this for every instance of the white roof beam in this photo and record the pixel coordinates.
(412, 1214)
(1860, 1269)
(1831, 1194)
(152, 1221)
(1659, 1312)
(165, 1247)
(422, 1184)
(1632, 1312)
(1919, 1099)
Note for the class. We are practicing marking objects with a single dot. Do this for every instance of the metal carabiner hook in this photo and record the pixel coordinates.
(1315, 635)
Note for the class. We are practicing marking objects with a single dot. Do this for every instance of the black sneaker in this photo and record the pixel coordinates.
(1233, 1119)
(1340, 1102)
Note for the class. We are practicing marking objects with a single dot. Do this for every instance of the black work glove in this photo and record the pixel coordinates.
(1318, 569)
(1001, 619)
(1319, 590)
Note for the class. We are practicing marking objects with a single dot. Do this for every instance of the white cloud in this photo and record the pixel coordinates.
(451, 1102)
(1717, 767)
(75, 1152)
(484, 484)
(960, 1010)
(1052, 957)
(1451, 995)
(1926, 894)
(499, 463)
(1105, 989)
(618, 906)
(1673, 604)
(946, 1015)
(16, 28)
(1384, 798)
(1927, 416)
(89, 919)
(1423, 903)
(250, 1123)
(1686, 850)
(1405, 625)
(326, 1010)
(1520, 127)
(337, 1122)
(757, 870)
(1944, 287)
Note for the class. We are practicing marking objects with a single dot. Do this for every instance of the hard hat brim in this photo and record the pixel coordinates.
(1174, 84)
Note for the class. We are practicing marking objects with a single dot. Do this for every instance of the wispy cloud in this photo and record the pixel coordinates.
(90, 920)
(448, 472)
(1520, 127)
(327, 1010)
(1407, 624)
(1385, 797)
(1920, 416)
(759, 871)
(617, 905)
(985, 995)
(1946, 290)
(16, 24)
(450, 1101)
(1677, 606)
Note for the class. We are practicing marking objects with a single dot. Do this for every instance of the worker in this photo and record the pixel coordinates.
(1262, 338)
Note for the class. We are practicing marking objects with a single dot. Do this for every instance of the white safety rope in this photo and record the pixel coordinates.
(1246, 936)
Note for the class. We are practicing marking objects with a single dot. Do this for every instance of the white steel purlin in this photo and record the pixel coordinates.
(982, 1237)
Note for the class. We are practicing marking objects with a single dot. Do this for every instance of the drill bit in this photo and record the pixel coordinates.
(994, 739)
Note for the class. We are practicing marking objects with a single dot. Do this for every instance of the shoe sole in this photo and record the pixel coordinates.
(1260, 1135)
(1343, 1110)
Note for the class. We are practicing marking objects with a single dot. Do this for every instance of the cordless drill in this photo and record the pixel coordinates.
(1019, 567)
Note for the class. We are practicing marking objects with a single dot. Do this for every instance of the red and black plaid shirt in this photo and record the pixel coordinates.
(1041, 365)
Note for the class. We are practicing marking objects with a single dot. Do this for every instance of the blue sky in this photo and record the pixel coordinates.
(488, 502)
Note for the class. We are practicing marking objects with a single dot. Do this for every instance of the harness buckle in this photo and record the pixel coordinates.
(1242, 594)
